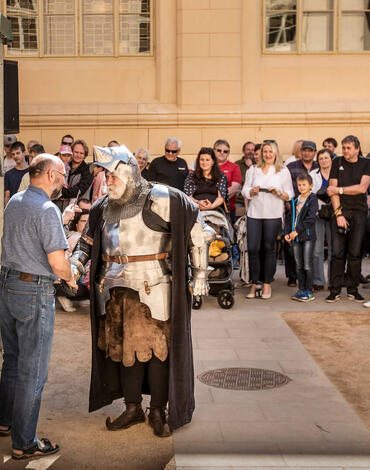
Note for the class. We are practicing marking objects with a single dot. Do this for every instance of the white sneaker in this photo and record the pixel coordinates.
(66, 304)
(367, 304)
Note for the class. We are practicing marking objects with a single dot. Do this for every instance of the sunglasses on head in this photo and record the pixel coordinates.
(171, 151)
(222, 151)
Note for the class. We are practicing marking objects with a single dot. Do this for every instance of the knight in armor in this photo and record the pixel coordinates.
(139, 238)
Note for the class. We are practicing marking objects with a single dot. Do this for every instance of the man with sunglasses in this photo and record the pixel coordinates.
(169, 169)
(231, 171)
(67, 140)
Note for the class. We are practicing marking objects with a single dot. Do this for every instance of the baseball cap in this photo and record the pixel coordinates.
(65, 149)
(308, 144)
(9, 139)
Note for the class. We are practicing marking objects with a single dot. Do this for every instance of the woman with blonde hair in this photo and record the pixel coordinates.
(267, 185)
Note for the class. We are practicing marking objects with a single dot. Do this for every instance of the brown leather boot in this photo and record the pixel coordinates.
(133, 414)
(158, 421)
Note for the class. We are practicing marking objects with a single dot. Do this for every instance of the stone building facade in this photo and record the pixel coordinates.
(139, 71)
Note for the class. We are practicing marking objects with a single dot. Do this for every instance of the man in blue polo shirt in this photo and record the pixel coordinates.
(33, 256)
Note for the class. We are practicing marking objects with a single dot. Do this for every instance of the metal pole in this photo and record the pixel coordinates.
(1, 138)
(5, 38)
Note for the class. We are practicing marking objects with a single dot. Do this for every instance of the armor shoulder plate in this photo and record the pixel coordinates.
(160, 197)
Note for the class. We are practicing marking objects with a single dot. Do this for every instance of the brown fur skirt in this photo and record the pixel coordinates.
(128, 330)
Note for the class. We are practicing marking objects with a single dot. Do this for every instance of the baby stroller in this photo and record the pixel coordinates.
(220, 282)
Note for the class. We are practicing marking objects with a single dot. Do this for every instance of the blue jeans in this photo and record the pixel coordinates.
(262, 235)
(27, 310)
(322, 227)
(303, 255)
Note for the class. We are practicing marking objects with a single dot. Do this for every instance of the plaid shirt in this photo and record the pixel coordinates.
(295, 169)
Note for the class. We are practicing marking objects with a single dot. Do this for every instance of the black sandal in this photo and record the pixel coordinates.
(37, 451)
(6, 432)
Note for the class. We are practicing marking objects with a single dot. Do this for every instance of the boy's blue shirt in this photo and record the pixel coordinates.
(306, 220)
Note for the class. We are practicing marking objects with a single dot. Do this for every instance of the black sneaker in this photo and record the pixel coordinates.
(332, 297)
(292, 282)
(318, 287)
(355, 296)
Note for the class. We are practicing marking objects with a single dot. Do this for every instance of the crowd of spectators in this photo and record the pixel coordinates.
(314, 202)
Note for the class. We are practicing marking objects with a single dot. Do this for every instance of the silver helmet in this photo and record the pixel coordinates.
(117, 160)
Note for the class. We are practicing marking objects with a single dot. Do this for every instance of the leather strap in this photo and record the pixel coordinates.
(25, 277)
(124, 259)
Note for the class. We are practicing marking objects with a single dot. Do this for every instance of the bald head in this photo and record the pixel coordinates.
(47, 172)
(44, 162)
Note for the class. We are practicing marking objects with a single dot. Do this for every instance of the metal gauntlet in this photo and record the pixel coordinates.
(80, 256)
(201, 236)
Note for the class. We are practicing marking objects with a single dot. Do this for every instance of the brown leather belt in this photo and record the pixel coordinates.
(25, 277)
(124, 259)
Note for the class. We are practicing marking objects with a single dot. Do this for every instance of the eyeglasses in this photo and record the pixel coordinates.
(63, 174)
(171, 151)
(223, 151)
(67, 143)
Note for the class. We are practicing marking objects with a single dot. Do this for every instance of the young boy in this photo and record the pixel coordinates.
(300, 232)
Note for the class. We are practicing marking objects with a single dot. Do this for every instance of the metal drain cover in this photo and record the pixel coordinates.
(236, 378)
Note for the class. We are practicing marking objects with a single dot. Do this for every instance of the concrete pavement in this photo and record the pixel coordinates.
(304, 424)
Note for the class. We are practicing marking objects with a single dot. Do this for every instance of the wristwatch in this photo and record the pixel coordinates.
(340, 190)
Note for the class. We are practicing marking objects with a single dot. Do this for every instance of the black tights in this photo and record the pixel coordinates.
(157, 374)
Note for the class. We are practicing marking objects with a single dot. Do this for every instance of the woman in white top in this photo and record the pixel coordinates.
(267, 186)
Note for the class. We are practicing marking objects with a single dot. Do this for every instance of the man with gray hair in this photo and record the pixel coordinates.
(139, 238)
(169, 169)
(33, 257)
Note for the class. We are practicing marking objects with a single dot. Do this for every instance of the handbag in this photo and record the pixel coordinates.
(326, 211)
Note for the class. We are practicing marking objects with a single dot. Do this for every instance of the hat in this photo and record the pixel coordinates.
(9, 139)
(308, 144)
(110, 157)
(65, 149)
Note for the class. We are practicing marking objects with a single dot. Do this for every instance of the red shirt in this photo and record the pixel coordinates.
(233, 175)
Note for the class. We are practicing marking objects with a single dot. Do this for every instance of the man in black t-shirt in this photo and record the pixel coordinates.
(13, 177)
(348, 184)
(170, 168)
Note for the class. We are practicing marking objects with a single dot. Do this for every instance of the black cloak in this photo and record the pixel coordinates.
(105, 385)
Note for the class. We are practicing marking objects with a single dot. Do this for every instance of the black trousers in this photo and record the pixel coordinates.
(289, 261)
(156, 372)
(347, 248)
(290, 266)
(262, 235)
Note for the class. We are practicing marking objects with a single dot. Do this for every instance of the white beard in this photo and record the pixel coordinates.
(115, 193)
